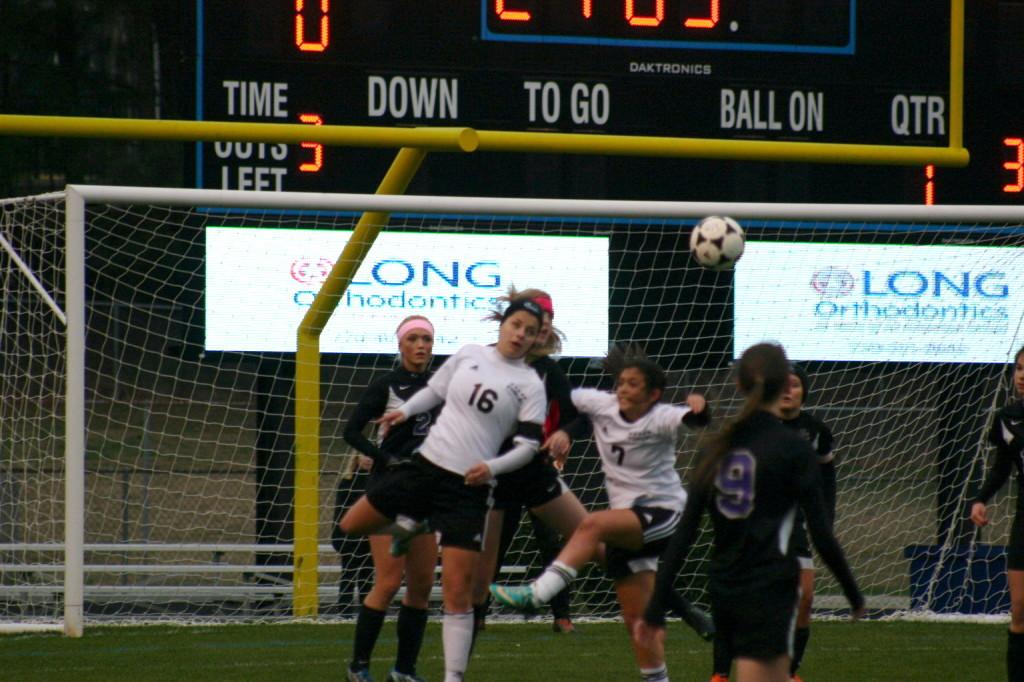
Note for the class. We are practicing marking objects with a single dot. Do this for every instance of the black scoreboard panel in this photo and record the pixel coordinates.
(846, 71)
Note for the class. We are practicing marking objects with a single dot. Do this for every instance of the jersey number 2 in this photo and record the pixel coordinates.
(485, 401)
(735, 484)
(422, 426)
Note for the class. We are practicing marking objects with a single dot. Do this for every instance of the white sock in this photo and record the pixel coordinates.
(659, 674)
(553, 580)
(457, 636)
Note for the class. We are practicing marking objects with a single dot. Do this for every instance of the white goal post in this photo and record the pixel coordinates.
(146, 406)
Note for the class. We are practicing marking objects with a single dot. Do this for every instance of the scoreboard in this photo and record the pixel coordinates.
(830, 71)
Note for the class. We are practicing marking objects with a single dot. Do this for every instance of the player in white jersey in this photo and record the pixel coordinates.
(554, 510)
(636, 438)
(489, 395)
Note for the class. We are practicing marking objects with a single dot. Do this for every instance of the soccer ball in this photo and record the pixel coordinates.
(717, 242)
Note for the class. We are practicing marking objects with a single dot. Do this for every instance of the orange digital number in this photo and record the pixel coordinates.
(300, 27)
(705, 22)
(929, 185)
(648, 20)
(1017, 165)
(506, 14)
(317, 163)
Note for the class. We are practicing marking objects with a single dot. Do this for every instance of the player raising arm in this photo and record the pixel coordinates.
(489, 395)
(555, 512)
(636, 438)
(752, 476)
(1007, 435)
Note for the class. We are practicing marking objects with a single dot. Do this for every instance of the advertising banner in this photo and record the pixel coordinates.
(893, 303)
(261, 281)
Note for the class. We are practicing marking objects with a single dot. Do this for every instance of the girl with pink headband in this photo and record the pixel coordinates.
(387, 457)
(490, 396)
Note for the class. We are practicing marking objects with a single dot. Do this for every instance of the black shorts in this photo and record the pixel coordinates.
(757, 623)
(423, 490)
(658, 525)
(530, 486)
(1015, 547)
(388, 465)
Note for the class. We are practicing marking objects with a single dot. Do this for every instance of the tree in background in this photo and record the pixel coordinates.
(110, 58)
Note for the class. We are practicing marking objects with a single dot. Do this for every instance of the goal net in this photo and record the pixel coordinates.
(147, 430)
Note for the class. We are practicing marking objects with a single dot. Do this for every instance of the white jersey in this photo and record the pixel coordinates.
(638, 458)
(486, 397)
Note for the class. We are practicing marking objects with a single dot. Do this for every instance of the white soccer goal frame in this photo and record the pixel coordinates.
(78, 196)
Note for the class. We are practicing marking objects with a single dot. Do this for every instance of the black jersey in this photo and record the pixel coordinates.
(561, 410)
(768, 472)
(1007, 435)
(558, 393)
(384, 394)
(815, 432)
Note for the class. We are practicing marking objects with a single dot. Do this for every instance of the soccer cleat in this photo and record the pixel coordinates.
(358, 675)
(400, 540)
(718, 677)
(795, 678)
(518, 597)
(395, 676)
(701, 622)
(563, 626)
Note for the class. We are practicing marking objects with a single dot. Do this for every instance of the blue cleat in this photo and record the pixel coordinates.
(518, 597)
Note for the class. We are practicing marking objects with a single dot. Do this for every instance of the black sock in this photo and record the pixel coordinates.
(799, 645)
(722, 657)
(368, 625)
(1015, 657)
(561, 604)
(412, 623)
(479, 616)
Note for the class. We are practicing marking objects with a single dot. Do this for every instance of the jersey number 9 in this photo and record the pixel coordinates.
(735, 484)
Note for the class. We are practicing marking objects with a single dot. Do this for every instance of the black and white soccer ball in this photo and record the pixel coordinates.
(717, 242)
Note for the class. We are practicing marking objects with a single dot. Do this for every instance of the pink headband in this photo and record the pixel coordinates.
(545, 303)
(415, 323)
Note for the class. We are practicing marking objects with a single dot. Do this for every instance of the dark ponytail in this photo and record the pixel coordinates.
(762, 375)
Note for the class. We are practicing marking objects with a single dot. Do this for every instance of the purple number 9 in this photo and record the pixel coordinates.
(735, 484)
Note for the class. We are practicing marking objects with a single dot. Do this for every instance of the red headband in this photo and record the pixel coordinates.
(544, 301)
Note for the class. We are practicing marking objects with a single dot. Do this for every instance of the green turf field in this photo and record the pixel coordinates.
(838, 652)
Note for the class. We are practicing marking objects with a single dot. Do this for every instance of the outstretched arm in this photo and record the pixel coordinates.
(700, 411)
(423, 400)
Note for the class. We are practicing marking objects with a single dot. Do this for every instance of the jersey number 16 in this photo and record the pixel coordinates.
(485, 401)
